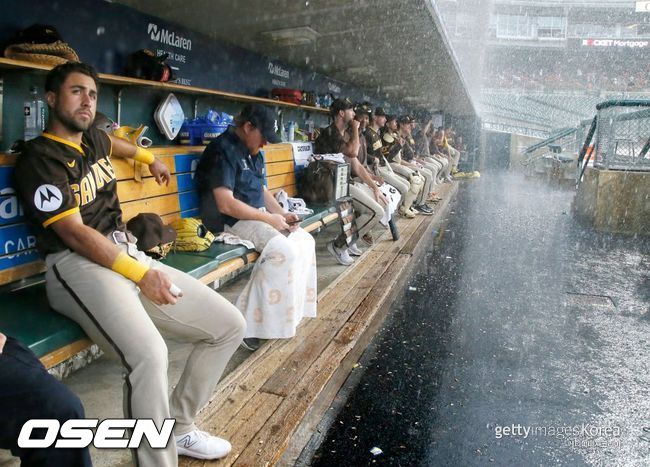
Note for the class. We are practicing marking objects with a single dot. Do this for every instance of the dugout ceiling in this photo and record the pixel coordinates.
(391, 47)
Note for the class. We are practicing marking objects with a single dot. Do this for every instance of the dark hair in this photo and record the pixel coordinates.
(60, 73)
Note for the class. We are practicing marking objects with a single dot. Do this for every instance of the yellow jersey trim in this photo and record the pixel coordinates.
(60, 216)
(64, 141)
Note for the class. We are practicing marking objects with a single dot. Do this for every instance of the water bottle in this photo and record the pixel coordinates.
(34, 112)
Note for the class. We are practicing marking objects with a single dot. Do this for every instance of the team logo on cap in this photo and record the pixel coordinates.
(48, 198)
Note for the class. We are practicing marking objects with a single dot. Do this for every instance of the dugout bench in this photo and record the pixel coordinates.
(55, 339)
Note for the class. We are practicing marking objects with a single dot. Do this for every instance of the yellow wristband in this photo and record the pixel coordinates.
(129, 267)
(144, 155)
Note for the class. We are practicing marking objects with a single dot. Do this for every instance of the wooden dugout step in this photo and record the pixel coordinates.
(270, 405)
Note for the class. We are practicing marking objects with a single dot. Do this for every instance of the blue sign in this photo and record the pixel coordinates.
(11, 211)
(17, 246)
(186, 162)
(188, 200)
(17, 259)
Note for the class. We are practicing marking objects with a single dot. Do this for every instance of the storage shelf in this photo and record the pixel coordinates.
(118, 80)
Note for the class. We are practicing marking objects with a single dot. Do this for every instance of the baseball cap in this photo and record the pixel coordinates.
(380, 112)
(405, 119)
(340, 104)
(261, 118)
(150, 230)
(390, 118)
(363, 108)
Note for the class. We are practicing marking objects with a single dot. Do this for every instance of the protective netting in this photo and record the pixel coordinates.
(622, 136)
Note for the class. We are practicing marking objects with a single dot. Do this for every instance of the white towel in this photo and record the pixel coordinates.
(231, 239)
(282, 287)
(393, 197)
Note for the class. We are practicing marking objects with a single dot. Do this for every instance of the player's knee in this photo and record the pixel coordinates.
(153, 357)
(231, 322)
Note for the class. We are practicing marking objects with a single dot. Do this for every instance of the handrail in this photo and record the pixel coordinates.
(585, 147)
(551, 139)
(106, 78)
(623, 103)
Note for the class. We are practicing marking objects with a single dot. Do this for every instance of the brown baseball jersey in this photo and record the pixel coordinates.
(390, 145)
(374, 145)
(408, 150)
(55, 178)
(330, 141)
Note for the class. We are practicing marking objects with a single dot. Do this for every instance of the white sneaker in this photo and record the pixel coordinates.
(342, 256)
(406, 213)
(354, 250)
(202, 445)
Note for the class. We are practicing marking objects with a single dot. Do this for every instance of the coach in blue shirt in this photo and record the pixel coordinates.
(234, 199)
(233, 163)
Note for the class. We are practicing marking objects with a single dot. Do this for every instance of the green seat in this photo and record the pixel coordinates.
(191, 263)
(200, 263)
(319, 213)
(27, 316)
(222, 252)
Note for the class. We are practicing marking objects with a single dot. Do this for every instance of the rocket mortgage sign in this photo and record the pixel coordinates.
(632, 44)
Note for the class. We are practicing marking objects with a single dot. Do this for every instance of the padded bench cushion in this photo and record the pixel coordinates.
(198, 264)
(319, 213)
(27, 317)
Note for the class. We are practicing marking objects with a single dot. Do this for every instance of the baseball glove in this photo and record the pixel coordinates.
(191, 235)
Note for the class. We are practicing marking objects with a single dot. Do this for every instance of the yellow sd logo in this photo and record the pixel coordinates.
(71, 164)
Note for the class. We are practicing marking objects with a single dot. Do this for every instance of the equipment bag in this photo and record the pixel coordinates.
(324, 181)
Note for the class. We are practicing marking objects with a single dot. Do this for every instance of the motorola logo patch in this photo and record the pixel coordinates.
(48, 198)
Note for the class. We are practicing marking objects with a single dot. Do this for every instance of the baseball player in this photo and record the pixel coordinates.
(342, 136)
(97, 276)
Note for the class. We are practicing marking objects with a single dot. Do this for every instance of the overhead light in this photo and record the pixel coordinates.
(412, 98)
(292, 36)
(391, 87)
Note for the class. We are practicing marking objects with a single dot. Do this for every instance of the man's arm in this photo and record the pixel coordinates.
(272, 204)
(351, 148)
(274, 207)
(230, 206)
(89, 243)
(126, 150)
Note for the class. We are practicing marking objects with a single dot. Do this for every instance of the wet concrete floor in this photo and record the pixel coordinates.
(521, 339)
